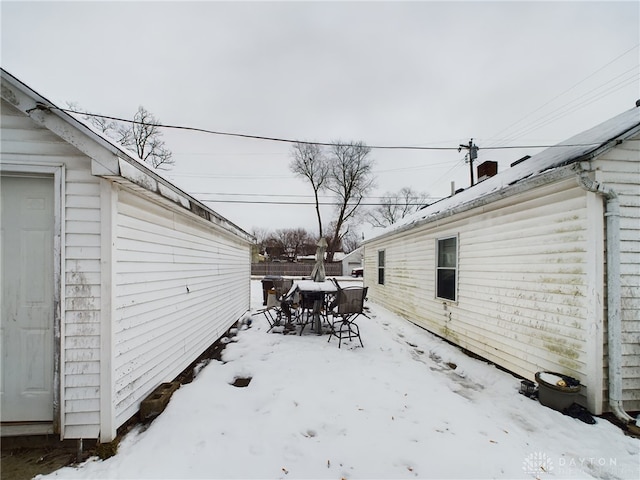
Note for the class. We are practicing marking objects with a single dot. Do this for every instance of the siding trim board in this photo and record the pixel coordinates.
(595, 320)
(108, 196)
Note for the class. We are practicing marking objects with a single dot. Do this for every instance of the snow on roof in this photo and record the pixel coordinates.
(339, 256)
(564, 153)
(352, 253)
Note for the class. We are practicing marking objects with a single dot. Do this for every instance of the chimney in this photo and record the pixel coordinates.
(486, 170)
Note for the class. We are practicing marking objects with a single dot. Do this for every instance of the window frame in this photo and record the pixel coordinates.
(439, 269)
(381, 266)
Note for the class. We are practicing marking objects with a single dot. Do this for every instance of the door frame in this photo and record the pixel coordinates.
(58, 173)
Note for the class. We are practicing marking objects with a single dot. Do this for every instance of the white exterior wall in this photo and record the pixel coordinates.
(26, 144)
(525, 267)
(619, 169)
(127, 259)
(180, 283)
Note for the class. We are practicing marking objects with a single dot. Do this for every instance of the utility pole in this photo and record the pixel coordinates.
(472, 154)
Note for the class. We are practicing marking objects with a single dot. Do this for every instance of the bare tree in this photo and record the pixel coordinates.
(351, 241)
(296, 239)
(395, 206)
(145, 138)
(350, 178)
(142, 135)
(261, 235)
(289, 243)
(274, 247)
(310, 162)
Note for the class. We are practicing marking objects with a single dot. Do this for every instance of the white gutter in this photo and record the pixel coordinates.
(614, 319)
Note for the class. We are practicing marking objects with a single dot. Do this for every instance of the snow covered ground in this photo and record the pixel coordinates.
(407, 405)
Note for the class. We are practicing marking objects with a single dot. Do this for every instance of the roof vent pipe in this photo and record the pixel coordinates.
(614, 320)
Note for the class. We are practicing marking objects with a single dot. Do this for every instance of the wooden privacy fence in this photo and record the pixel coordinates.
(333, 269)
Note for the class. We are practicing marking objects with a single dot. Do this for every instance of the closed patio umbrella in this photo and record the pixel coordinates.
(318, 273)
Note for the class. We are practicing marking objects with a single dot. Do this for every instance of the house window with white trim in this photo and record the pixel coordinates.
(447, 270)
(381, 267)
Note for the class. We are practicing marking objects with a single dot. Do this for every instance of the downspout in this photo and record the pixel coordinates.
(614, 318)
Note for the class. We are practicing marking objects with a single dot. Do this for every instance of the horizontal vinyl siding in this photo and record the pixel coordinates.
(180, 284)
(528, 278)
(522, 282)
(24, 142)
(619, 169)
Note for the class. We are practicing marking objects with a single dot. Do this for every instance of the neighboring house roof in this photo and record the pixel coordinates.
(584, 146)
(356, 253)
(119, 163)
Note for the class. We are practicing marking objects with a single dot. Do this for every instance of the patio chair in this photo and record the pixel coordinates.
(278, 308)
(349, 306)
(288, 304)
(272, 311)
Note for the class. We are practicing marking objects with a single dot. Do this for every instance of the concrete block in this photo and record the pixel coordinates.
(157, 401)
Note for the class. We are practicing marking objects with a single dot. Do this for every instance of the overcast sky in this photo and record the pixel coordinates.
(431, 74)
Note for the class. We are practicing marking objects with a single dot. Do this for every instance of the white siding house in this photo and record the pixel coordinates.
(515, 269)
(113, 279)
(352, 260)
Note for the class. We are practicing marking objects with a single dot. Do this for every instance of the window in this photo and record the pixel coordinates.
(381, 267)
(447, 268)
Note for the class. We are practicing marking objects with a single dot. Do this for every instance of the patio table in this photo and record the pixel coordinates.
(311, 287)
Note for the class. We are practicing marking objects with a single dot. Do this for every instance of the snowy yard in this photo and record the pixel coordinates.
(407, 405)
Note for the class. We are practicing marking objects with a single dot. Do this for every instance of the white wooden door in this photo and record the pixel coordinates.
(27, 298)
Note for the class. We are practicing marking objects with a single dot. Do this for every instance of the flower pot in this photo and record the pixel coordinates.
(557, 391)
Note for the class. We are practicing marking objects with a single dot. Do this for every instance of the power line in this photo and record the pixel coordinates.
(333, 204)
(240, 177)
(456, 166)
(565, 92)
(568, 108)
(287, 195)
(305, 142)
(244, 135)
(572, 105)
(274, 177)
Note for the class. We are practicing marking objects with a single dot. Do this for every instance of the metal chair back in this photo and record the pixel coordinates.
(351, 300)
(350, 305)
